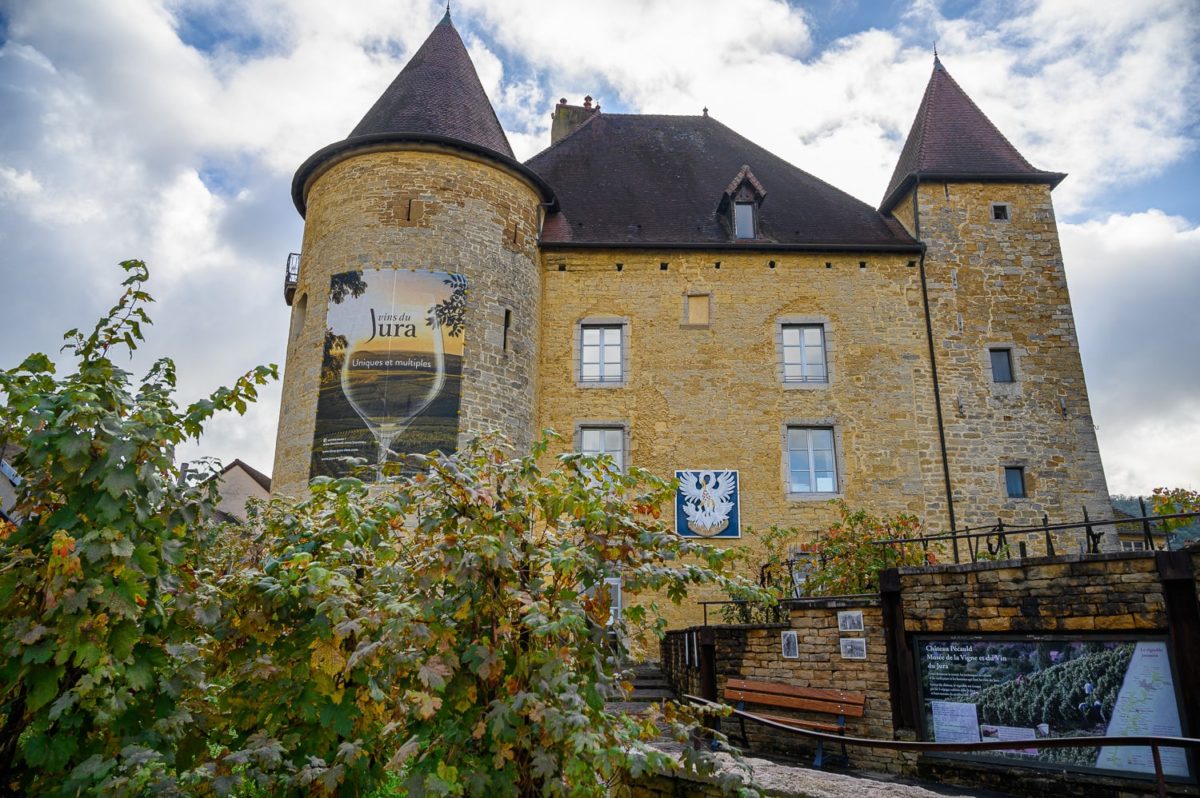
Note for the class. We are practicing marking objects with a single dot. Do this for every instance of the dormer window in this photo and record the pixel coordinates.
(739, 205)
(743, 219)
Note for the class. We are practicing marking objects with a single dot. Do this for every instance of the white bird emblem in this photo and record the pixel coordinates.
(707, 500)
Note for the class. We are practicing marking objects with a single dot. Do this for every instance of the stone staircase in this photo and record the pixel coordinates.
(649, 686)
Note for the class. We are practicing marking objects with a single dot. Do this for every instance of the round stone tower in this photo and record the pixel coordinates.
(420, 236)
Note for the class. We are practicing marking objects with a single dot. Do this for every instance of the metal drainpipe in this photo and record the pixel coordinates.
(937, 392)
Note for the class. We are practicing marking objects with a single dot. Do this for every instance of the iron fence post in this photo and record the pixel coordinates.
(1146, 525)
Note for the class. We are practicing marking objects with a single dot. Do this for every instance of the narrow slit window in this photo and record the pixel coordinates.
(1014, 482)
(507, 327)
(1002, 366)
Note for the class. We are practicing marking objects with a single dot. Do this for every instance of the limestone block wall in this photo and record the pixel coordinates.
(711, 396)
(754, 652)
(1088, 597)
(1001, 284)
(1119, 592)
(421, 208)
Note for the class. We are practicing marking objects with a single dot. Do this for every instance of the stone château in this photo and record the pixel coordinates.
(663, 289)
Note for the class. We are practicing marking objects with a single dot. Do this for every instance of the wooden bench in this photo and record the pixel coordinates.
(837, 705)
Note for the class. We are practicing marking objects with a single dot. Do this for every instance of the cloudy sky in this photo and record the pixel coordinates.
(168, 130)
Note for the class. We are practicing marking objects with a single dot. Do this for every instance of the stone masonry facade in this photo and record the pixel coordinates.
(1000, 284)
(713, 397)
(630, 221)
(1073, 596)
(423, 209)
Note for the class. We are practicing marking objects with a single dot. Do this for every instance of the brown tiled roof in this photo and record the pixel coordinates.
(438, 92)
(951, 139)
(648, 180)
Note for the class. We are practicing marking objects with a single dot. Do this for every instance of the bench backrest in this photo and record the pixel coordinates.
(785, 696)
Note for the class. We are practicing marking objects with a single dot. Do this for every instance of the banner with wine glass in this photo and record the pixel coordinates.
(391, 373)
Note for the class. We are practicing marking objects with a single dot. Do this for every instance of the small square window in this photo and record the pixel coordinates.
(804, 353)
(696, 313)
(999, 211)
(1133, 545)
(743, 219)
(596, 441)
(1014, 482)
(600, 353)
(1002, 367)
(812, 467)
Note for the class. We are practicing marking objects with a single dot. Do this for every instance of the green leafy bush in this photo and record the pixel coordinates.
(449, 630)
(99, 665)
(443, 635)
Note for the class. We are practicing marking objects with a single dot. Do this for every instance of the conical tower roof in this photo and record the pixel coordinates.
(437, 100)
(438, 93)
(952, 140)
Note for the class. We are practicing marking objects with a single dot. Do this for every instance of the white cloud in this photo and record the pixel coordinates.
(120, 139)
(1135, 282)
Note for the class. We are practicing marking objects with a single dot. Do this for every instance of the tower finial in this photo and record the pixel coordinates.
(446, 19)
(937, 62)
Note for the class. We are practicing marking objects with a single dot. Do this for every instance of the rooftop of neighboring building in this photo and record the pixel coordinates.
(239, 482)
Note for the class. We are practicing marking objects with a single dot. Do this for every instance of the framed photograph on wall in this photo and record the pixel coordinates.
(790, 645)
(853, 647)
(850, 621)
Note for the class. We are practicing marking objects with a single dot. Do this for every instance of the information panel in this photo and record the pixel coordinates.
(391, 372)
(1018, 689)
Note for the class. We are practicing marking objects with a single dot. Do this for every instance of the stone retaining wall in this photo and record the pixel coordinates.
(1078, 595)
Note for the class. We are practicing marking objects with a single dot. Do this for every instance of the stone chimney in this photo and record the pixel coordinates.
(569, 117)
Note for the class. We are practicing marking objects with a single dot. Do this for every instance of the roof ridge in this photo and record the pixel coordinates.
(573, 131)
(653, 180)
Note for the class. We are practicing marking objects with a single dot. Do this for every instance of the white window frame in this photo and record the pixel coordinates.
(835, 442)
(737, 229)
(802, 350)
(828, 349)
(1133, 545)
(602, 323)
(605, 426)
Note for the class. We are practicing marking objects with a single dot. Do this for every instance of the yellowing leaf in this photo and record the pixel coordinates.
(327, 657)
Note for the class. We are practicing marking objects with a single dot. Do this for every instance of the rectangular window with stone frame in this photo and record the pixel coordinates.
(601, 359)
(812, 464)
(803, 348)
(598, 440)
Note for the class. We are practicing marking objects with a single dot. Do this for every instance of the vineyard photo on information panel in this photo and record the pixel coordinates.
(988, 690)
(391, 373)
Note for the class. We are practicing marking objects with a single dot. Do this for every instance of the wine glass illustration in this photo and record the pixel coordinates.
(393, 368)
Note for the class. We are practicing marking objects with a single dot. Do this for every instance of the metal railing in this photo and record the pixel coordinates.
(1154, 743)
(995, 539)
(291, 275)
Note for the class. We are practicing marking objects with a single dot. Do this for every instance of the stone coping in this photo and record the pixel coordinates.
(1061, 559)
